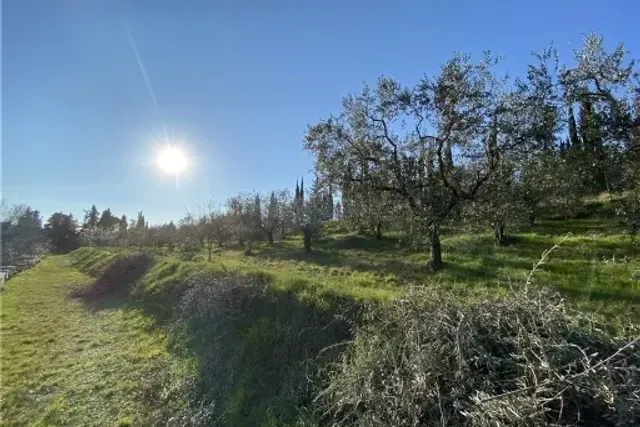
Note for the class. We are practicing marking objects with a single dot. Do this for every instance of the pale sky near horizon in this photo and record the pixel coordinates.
(236, 82)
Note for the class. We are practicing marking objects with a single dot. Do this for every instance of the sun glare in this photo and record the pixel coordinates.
(171, 160)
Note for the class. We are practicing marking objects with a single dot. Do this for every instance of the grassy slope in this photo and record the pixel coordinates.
(63, 365)
(597, 266)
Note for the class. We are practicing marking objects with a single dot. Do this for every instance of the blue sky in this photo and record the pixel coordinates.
(237, 81)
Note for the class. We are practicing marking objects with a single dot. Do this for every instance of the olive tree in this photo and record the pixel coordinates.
(523, 177)
(244, 214)
(426, 145)
(217, 229)
(607, 85)
(275, 215)
(311, 218)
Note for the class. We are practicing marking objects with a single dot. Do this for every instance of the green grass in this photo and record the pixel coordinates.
(64, 365)
(597, 266)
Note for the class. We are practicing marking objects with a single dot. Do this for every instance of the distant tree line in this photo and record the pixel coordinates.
(244, 219)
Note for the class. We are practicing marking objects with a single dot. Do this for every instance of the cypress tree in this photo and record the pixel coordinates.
(593, 146)
(140, 223)
(91, 217)
(564, 147)
(573, 131)
(330, 203)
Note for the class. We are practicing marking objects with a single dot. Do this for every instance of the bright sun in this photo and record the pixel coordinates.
(171, 160)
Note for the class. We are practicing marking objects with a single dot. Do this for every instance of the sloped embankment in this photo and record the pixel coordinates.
(252, 349)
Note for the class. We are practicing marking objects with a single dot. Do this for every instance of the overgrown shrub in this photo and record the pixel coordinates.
(522, 360)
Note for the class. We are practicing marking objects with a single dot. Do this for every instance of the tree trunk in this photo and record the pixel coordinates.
(210, 247)
(379, 230)
(436, 249)
(499, 234)
(270, 237)
(532, 219)
(307, 239)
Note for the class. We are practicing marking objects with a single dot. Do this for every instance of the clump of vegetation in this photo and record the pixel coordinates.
(522, 360)
(22, 242)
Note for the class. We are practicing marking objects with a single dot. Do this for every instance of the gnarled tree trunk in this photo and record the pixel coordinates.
(499, 234)
(436, 248)
(306, 231)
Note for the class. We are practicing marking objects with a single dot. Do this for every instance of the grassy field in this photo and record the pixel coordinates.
(597, 265)
(65, 363)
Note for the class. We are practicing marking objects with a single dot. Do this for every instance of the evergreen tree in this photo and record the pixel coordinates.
(574, 139)
(564, 147)
(30, 219)
(140, 223)
(272, 218)
(337, 211)
(302, 189)
(330, 205)
(107, 219)
(593, 147)
(91, 217)
(257, 214)
(62, 231)
(122, 230)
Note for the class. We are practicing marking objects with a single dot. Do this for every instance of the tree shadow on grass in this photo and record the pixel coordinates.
(576, 227)
(317, 256)
(600, 295)
(464, 273)
(115, 281)
(364, 243)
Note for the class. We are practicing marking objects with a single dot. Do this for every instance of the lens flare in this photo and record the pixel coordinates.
(171, 160)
